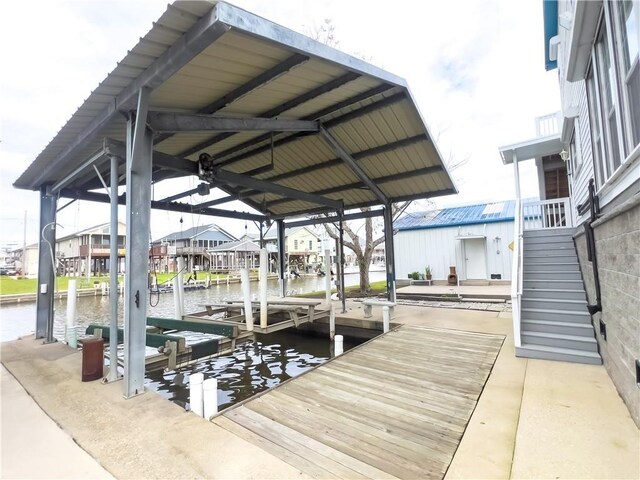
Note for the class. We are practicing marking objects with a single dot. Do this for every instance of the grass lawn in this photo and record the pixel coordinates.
(353, 291)
(15, 285)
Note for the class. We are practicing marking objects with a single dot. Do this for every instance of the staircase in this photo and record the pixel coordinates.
(555, 324)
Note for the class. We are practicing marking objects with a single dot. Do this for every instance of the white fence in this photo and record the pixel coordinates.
(544, 214)
(548, 125)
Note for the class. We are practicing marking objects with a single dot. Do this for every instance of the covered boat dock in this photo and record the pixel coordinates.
(287, 125)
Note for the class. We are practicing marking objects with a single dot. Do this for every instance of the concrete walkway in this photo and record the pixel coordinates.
(33, 446)
(534, 418)
(470, 291)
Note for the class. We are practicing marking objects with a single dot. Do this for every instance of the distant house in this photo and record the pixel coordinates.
(235, 255)
(474, 239)
(85, 252)
(192, 244)
(302, 245)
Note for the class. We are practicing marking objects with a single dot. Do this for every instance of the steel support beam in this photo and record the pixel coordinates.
(113, 272)
(250, 182)
(139, 168)
(314, 116)
(265, 77)
(282, 264)
(179, 195)
(389, 253)
(170, 206)
(95, 159)
(46, 266)
(333, 219)
(341, 263)
(170, 122)
(274, 112)
(378, 180)
(353, 165)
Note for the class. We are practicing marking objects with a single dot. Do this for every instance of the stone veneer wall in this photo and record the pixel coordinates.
(617, 236)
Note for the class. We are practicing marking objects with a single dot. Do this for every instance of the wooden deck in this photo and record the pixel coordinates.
(394, 408)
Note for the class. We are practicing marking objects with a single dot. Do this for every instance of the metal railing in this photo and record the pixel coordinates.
(516, 272)
(544, 214)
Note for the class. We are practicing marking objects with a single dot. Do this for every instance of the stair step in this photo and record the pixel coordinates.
(552, 267)
(549, 232)
(554, 304)
(575, 316)
(552, 246)
(552, 283)
(540, 256)
(549, 239)
(562, 328)
(551, 275)
(545, 352)
(555, 293)
(573, 342)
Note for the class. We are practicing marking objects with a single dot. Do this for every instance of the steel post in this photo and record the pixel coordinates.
(113, 273)
(341, 267)
(46, 266)
(138, 174)
(389, 253)
(281, 260)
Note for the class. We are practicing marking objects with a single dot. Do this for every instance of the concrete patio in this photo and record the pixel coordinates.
(534, 419)
(501, 291)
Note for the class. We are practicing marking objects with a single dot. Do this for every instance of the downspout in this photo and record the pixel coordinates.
(594, 209)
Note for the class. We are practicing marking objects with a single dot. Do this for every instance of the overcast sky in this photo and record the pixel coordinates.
(476, 69)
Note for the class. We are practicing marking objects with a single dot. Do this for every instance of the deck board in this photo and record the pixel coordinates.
(394, 408)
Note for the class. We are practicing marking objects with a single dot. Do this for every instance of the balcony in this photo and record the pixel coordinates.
(99, 250)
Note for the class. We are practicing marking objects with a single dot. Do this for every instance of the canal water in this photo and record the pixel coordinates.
(251, 368)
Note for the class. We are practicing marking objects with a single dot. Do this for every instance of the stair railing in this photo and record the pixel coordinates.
(516, 271)
(544, 214)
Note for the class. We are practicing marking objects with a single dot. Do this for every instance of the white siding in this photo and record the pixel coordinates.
(574, 94)
(439, 248)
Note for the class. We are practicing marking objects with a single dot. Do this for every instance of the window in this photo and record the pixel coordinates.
(310, 244)
(628, 45)
(596, 131)
(295, 245)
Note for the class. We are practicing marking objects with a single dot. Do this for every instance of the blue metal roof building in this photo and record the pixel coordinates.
(457, 216)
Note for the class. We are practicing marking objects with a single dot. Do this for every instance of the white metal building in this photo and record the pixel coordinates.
(475, 239)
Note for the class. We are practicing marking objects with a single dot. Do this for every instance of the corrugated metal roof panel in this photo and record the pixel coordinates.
(455, 216)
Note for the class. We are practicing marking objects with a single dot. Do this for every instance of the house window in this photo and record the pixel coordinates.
(310, 244)
(628, 46)
(295, 245)
(613, 88)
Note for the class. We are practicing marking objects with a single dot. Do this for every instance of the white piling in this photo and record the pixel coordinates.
(263, 287)
(103, 288)
(327, 277)
(208, 284)
(332, 322)
(195, 394)
(210, 396)
(338, 348)
(246, 295)
(385, 319)
(176, 297)
(72, 296)
(180, 263)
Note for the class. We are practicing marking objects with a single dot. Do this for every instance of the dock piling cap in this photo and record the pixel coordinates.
(196, 378)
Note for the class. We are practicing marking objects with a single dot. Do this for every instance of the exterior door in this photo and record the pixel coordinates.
(475, 259)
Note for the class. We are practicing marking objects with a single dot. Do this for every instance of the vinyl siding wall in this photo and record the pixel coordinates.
(439, 248)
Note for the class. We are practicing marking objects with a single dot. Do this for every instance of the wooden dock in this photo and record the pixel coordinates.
(395, 407)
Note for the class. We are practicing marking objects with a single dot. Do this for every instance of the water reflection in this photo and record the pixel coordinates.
(251, 369)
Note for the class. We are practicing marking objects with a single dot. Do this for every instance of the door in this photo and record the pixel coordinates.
(475, 259)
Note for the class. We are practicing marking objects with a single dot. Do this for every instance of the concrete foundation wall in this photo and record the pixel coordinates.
(617, 238)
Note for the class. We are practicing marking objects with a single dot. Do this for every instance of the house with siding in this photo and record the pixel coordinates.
(577, 263)
(472, 239)
(192, 244)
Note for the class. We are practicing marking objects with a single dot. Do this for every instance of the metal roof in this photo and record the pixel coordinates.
(213, 58)
(197, 232)
(457, 216)
(534, 148)
(237, 246)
